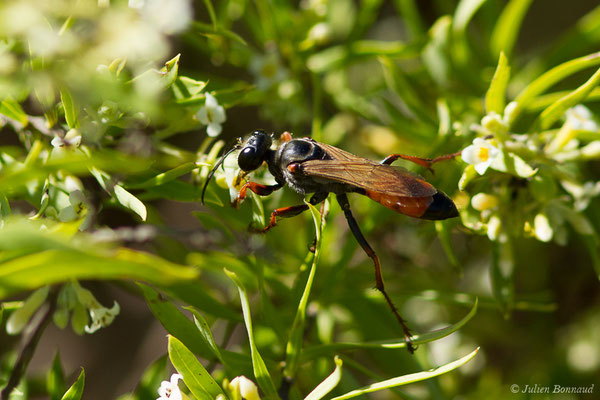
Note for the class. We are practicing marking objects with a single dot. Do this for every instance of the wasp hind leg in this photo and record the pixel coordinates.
(290, 211)
(345, 205)
(423, 162)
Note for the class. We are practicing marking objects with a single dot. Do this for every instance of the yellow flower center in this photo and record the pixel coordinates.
(484, 153)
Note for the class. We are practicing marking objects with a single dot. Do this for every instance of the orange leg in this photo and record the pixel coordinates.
(261, 190)
(423, 162)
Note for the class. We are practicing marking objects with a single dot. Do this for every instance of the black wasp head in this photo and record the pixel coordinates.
(255, 151)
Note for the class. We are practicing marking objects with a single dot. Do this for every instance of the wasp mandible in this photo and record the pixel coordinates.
(308, 166)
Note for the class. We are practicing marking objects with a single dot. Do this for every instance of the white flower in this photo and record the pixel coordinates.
(212, 115)
(581, 118)
(542, 228)
(102, 317)
(169, 16)
(245, 387)
(78, 208)
(71, 139)
(494, 228)
(484, 201)
(481, 154)
(169, 390)
(268, 70)
(582, 194)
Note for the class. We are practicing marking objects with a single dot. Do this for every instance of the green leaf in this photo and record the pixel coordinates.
(496, 94)
(465, 11)
(436, 54)
(339, 56)
(70, 108)
(211, 13)
(502, 271)
(443, 230)
(261, 373)
(314, 352)
(557, 109)
(151, 380)
(329, 383)
(187, 291)
(507, 27)
(410, 14)
(55, 379)
(185, 87)
(411, 378)
(130, 201)
(204, 329)
(76, 390)
(551, 77)
(73, 258)
(294, 345)
(12, 109)
(210, 31)
(164, 177)
(175, 322)
(195, 376)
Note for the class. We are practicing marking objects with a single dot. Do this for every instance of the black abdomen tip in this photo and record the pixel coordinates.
(442, 207)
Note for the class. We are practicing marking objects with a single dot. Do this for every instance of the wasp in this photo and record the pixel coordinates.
(308, 166)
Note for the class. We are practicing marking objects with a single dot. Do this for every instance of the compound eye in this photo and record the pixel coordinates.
(249, 160)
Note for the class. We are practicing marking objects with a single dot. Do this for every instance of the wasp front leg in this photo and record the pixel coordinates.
(423, 162)
(345, 205)
(259, 189)
(291, 211)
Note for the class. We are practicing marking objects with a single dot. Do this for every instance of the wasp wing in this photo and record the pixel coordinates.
(370, 176)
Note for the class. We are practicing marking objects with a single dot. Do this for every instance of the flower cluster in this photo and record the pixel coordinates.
(534, 194)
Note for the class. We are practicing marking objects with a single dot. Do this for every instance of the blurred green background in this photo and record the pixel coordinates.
(371, 77)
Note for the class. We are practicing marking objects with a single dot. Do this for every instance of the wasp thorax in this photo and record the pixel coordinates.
(255, 151)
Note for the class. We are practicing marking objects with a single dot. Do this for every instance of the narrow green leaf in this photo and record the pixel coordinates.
(195, 376)
(55, 379)
(411, 378)
(204, 329)
(76, 390)
(409, 12)
(507, 27)
(186, 87)
(546, 100)
(294, 345)
(261, 373)
(209, 30)
(151, 380)
(338, 56)
(187, 291)
(12, 109)
(551, 77)
(557, 109)
(130, 201)
(175, 322)
(465, 11)
(495, 97)
(501, 271)
(398, 83)
(443, 231)
(329, 383)
(74, 258)
(314, 352)
(211, 13)
(70, 108)
(164, 177)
